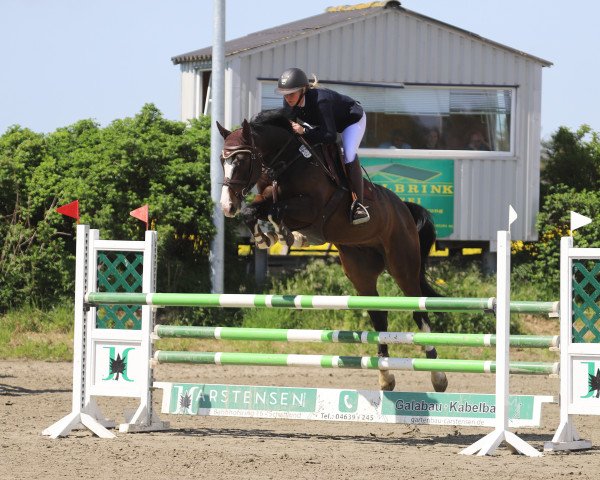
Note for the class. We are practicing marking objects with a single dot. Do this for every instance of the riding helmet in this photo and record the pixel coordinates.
(292, 80)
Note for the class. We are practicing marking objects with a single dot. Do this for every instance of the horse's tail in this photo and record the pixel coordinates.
(427, 236)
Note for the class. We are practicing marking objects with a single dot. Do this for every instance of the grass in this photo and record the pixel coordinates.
(37, 334)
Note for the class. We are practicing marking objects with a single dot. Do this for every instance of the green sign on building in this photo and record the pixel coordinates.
(428, 182)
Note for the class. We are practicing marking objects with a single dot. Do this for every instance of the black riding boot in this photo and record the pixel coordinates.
(358, 212)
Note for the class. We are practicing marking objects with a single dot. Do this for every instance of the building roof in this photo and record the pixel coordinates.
(307, 26)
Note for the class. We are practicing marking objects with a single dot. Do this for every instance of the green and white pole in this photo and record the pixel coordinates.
(301, 302)
(335, 361)
(351, 336)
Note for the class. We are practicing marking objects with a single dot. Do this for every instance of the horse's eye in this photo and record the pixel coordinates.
(231, 160)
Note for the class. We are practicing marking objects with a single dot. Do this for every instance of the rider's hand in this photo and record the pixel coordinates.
(299, 129)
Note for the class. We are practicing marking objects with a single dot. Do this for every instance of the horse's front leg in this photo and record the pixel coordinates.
(300, 209)
(290, 238)
(251, 214)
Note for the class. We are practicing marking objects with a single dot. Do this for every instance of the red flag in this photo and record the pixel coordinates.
(141, 214)
(70, 210)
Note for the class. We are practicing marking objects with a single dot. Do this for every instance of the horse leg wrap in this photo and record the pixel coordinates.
(299, 240)
(282, 232)
(263, 240)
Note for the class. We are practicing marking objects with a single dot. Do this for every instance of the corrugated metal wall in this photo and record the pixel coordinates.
(400, 47)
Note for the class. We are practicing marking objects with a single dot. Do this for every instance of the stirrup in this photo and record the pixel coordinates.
(359, 213)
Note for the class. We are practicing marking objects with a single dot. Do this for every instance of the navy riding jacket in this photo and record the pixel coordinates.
(328, 111)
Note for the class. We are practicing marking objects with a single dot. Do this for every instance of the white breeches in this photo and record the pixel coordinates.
(351, 138)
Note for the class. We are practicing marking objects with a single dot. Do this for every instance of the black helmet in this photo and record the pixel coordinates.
(292, 80)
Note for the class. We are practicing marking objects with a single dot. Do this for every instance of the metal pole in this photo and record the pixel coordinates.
(217, 113)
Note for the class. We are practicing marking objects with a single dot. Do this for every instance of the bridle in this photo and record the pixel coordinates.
(257, 166)
(256, 161)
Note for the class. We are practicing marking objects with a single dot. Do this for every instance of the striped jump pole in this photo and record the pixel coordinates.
(351, 336)
(335, 361)
(346, 302)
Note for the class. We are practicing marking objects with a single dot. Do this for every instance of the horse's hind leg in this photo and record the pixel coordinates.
(438, 379)
(405, 268)
(363, 266)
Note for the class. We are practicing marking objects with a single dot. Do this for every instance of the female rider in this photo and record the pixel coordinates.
(324, 113)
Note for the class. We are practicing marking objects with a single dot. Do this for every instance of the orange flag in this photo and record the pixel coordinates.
(141, 214)
(70, 210)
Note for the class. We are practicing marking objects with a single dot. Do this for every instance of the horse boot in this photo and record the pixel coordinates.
(358, 212)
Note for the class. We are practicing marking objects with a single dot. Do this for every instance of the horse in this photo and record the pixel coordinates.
(298, 195)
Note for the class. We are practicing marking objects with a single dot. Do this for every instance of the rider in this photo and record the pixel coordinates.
(320, 115)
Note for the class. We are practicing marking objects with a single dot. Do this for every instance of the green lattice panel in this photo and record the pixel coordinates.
(120, 272)
(586, 301)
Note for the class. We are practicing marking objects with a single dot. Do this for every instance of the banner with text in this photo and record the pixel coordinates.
(428, 182)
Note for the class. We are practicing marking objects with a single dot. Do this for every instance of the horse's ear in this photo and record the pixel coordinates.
(223, 131)
(246, 131)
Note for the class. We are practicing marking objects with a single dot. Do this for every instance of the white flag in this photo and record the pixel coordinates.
(578, 221)
(512, 215)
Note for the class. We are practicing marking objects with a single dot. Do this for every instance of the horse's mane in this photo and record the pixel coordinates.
(275, 118)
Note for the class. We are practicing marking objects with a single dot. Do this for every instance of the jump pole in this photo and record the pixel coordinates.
(307, 302)
(342, 361)
(351, 336)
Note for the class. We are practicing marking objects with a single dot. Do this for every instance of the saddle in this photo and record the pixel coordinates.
(330, 156)
(333, 158)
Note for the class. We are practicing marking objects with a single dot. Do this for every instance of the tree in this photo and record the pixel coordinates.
(572, 159)
(111, 170)
(570, 181)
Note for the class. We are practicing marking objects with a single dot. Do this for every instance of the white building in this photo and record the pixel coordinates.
(412, 74)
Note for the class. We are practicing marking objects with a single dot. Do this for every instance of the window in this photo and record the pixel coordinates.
(429, 118)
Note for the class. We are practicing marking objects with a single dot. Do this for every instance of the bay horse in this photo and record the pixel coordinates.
(296, 193)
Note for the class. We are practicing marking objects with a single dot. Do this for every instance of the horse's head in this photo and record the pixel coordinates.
(242, 167)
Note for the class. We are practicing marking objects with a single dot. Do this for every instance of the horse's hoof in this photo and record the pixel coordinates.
(387, 381)
(439, 381)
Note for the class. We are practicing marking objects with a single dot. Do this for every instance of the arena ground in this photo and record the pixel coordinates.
(33, 395)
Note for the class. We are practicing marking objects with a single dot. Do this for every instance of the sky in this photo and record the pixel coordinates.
(66, 60)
